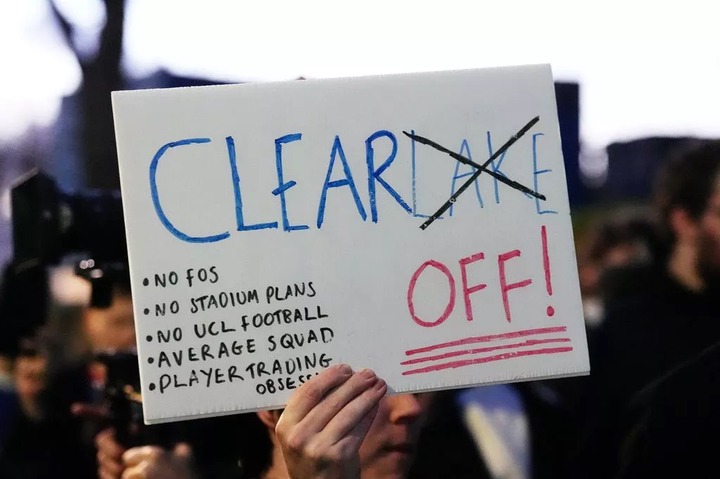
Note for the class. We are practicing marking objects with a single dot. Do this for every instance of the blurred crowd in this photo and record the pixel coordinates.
(650, 283)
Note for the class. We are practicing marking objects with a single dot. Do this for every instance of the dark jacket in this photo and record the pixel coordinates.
(677, 422)
(643, 337)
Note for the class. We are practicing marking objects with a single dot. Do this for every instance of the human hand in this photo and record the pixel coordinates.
(153, 462)
(109, 455)
(144, 462)
(325, 421)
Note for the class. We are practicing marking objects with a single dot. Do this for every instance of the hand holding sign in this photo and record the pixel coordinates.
(277, 229)
(325, 422)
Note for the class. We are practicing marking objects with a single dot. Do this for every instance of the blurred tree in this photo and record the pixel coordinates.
(101, 75)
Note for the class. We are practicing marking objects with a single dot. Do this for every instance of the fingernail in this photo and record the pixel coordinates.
(367, 373)
(344, 368)
(380, 384)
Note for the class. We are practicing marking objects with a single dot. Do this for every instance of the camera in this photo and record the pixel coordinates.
(49, 224)
(122, 396)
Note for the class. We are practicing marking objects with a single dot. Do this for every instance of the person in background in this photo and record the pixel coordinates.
(519, 430)
(85, 393)
(21, 308)
(35, 445)
(108, 327)
(668, 321)
(616, 247)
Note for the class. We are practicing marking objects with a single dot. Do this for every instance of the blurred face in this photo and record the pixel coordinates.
(388, 448)
(111, 328)
(30, 374)
(708, 243)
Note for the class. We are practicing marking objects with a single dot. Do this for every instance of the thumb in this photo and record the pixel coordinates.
(183, 450)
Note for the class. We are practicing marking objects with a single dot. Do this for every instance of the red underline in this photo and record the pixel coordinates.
(488, 338)
(486, 359)
(529, 342)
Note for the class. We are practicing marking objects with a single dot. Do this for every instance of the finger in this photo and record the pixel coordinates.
(353, 415)
(89, 411)
(316, 420)
(312, 392)
(183, 450)
(110, 469)
(102, 474)
(106, 443)
(136, 472)
(136, 455)
(353, 440)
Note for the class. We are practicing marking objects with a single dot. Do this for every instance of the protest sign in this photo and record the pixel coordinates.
(414, 224)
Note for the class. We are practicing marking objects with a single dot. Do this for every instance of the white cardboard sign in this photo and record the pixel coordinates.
(274, 229)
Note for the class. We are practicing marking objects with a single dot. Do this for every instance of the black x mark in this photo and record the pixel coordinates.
(480, 169)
